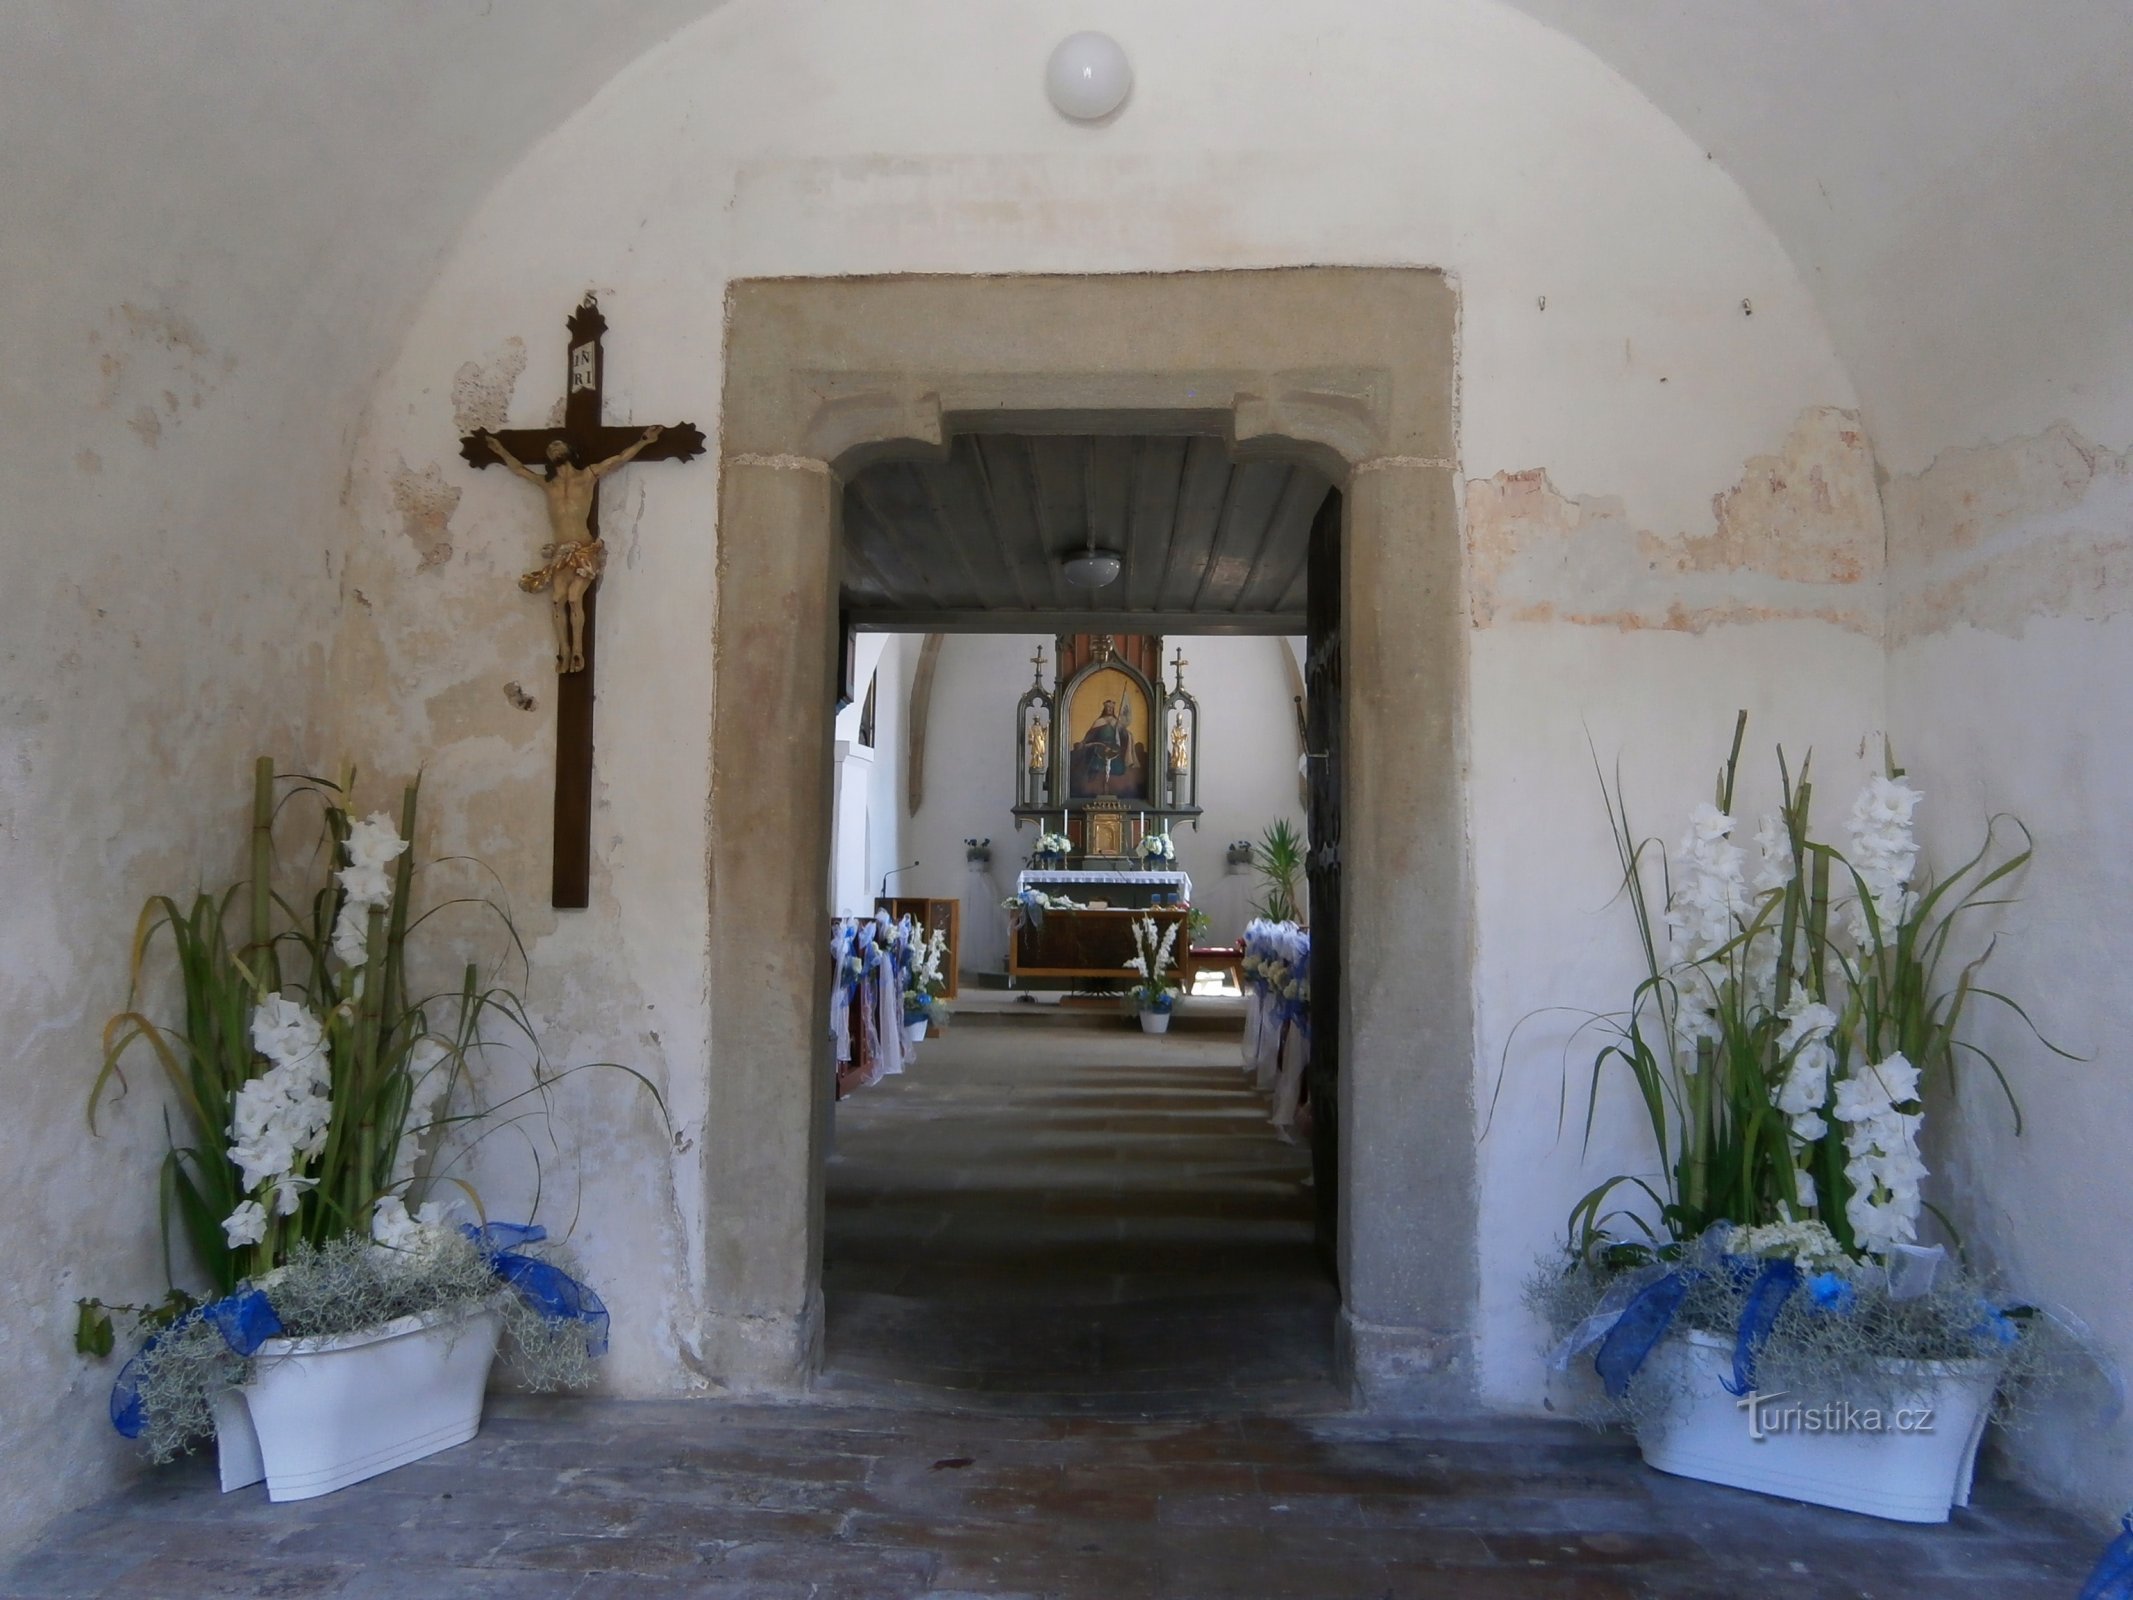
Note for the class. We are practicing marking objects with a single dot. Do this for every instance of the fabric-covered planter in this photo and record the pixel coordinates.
(1911, 1466)
(1155, 1022)
(320, 1414)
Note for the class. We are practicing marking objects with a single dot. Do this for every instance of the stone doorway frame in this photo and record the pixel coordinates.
(1351, 369)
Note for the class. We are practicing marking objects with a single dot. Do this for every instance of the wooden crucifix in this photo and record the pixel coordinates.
(567, 464)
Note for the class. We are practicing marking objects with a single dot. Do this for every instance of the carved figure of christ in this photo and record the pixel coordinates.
(570, 463)
(574, 559)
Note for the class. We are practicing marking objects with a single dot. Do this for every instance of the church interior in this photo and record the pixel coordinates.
(1298, 498)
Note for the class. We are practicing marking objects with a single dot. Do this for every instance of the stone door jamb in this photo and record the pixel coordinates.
(1350, 368)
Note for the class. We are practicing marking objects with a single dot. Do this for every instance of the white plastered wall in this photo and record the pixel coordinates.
(137, 681)
(1603, 264)
(2011, 608)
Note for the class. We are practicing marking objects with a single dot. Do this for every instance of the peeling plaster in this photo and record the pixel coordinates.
(1996, 535)
(425, 503)
(481, 394)
(1798, 536)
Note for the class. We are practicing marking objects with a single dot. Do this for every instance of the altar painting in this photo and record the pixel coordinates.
(1108, 725)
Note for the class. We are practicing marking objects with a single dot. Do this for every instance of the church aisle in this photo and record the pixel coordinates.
(1075, 1218)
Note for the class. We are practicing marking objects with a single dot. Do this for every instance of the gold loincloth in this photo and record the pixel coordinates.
(585, 559)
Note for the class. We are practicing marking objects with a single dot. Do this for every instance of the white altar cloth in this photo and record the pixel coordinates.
(1067, 878)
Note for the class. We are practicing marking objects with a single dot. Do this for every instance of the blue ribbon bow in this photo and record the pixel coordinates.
(1643, 1323)
(246, 1320)
(1650, 1314)
(551, 1291)
(1773, 1287)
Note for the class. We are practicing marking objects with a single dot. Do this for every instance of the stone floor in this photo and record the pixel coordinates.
(1078, 1353)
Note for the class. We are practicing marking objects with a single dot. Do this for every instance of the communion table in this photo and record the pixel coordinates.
(1096, 942)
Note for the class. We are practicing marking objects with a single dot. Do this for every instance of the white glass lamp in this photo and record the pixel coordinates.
(1092, 568)
(1088, 76)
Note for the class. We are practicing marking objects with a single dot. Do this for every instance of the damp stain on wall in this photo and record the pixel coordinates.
(1996, 535)
(1799, 535)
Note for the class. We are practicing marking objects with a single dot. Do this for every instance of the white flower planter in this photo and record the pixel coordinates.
(1155, 1022)
(320, 1414)
(1906, 1473)
(915, 1031)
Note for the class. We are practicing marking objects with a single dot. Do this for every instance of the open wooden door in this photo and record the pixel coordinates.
(1322, 866)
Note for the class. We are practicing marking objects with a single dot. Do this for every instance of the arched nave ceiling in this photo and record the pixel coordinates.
(1954, 178)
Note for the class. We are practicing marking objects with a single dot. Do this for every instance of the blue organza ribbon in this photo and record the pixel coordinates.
(1773, 1286)
(1643, 1323)
(2112, 1578)
(1650, 1316)
(246, 1320)
(551, 1291)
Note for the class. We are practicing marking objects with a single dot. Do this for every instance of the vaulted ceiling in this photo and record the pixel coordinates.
(1954, 178)
(976, 540)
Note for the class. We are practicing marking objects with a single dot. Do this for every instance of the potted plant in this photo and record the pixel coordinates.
(312, 1084)
(1761, 1309)
(1278, 858)
(1155, 996)
(919, 954)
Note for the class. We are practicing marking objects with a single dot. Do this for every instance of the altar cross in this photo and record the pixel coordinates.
(590, 439)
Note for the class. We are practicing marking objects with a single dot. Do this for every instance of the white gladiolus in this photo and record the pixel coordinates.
(1884, 852)
(284, 1030)
(373, 843)
(1884, 1168)
(246, 1225)
(1695, 1017)
(392, 1228)
(1711, 895)
(1778, 868)
(289, 1193)
(371, 847)
(279, 1120)
(1805, 1044)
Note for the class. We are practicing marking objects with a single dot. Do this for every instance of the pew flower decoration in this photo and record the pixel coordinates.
(1153, 947)
(1276, 967)
(1791, 1011)
(318, 1096)
(1156, 850)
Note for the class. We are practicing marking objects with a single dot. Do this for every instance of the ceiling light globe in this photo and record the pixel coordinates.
(1088, 76)
(1092, 569)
